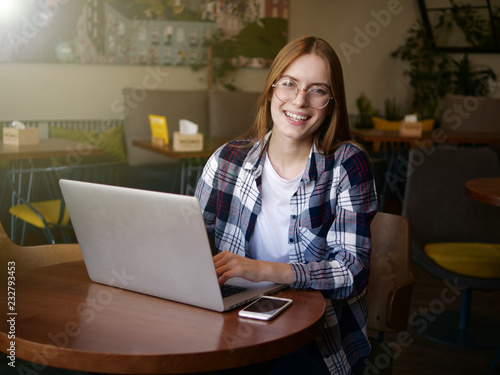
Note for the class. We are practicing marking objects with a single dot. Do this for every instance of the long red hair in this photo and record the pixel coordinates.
(335, 128)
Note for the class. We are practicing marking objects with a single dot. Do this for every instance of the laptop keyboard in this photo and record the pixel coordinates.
(229, 290)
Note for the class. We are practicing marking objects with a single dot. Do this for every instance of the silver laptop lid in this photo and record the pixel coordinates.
(149, 242)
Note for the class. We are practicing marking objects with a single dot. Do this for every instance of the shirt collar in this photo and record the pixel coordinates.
(315, 165)
(255, 161)
(314, 168)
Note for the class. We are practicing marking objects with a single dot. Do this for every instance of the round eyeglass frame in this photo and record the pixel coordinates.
(297, 93)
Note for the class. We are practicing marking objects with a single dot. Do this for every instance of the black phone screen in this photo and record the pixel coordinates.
(266, 305)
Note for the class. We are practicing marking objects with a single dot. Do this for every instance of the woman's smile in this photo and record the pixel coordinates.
(295, 120)
(296, 117)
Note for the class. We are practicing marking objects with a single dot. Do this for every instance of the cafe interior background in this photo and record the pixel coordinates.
(74, 83)
(363, 33)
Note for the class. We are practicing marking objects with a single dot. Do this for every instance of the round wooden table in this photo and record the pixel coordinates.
(486, 190)
(63, 319)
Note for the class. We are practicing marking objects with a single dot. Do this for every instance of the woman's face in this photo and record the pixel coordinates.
(296, 120)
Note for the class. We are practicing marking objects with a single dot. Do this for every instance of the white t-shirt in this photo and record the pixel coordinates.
(270, 238)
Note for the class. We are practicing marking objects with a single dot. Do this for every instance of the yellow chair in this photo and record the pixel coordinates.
(390, 286)
(41, 214)
(455, 239)
(37, 199)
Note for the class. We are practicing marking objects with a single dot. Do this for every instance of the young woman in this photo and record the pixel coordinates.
(292, 200)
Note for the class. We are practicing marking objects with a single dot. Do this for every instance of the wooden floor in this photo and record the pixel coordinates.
(419, 355)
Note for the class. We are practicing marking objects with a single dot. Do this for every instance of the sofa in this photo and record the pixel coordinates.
(470, 113)
(461, 113)
(217, 113)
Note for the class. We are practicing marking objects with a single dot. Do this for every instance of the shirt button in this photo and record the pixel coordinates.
(294, 217)
(290, 240)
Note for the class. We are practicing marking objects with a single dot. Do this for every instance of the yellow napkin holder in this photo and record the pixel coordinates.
(20, 137)
(188, 142)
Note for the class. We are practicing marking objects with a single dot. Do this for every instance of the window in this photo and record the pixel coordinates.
(460, 26)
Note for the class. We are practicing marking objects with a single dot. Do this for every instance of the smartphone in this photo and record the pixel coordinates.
(265, 308)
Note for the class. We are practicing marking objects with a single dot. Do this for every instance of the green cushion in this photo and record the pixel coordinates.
(470, 259)
(110, 140)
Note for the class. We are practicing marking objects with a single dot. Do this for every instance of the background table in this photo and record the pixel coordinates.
(486, 190)
(65, 320)
(47, 148)
(395, 147)
(210, 145)
(190, 162)
(437, 136)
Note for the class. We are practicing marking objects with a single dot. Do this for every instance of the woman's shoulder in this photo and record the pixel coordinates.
(347, 150)
(234, 151)
(350, 147)
(354, 160)
(348, 156)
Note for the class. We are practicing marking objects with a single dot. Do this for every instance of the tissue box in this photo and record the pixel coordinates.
(20, 137)
(411, 129)
(188, 142)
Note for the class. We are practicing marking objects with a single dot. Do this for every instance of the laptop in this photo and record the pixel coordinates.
(153, 243)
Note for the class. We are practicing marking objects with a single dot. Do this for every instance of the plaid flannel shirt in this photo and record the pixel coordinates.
(329, 233)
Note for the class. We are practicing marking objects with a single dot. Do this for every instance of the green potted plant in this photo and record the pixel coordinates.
(433, 74)
(221, 52)
(392, 116)
(471, 79)
(429, 70)
(392, 110)
(365, 110)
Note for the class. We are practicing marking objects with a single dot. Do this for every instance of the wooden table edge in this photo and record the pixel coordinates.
(33, 152)
(156, 364)
(437, 136)
(480, 197)
(207, 151)
(60, 356)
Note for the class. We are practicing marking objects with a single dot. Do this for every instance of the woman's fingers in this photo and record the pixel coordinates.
(228, 265)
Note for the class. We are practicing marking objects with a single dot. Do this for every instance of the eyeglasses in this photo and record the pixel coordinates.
(287, 90)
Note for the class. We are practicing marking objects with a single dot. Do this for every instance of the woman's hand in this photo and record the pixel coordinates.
(228, 265)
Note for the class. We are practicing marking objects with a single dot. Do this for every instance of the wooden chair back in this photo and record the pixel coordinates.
(391, 279)
(31, 257)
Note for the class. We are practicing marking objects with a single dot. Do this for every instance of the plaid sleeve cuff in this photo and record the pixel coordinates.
(300, 276)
